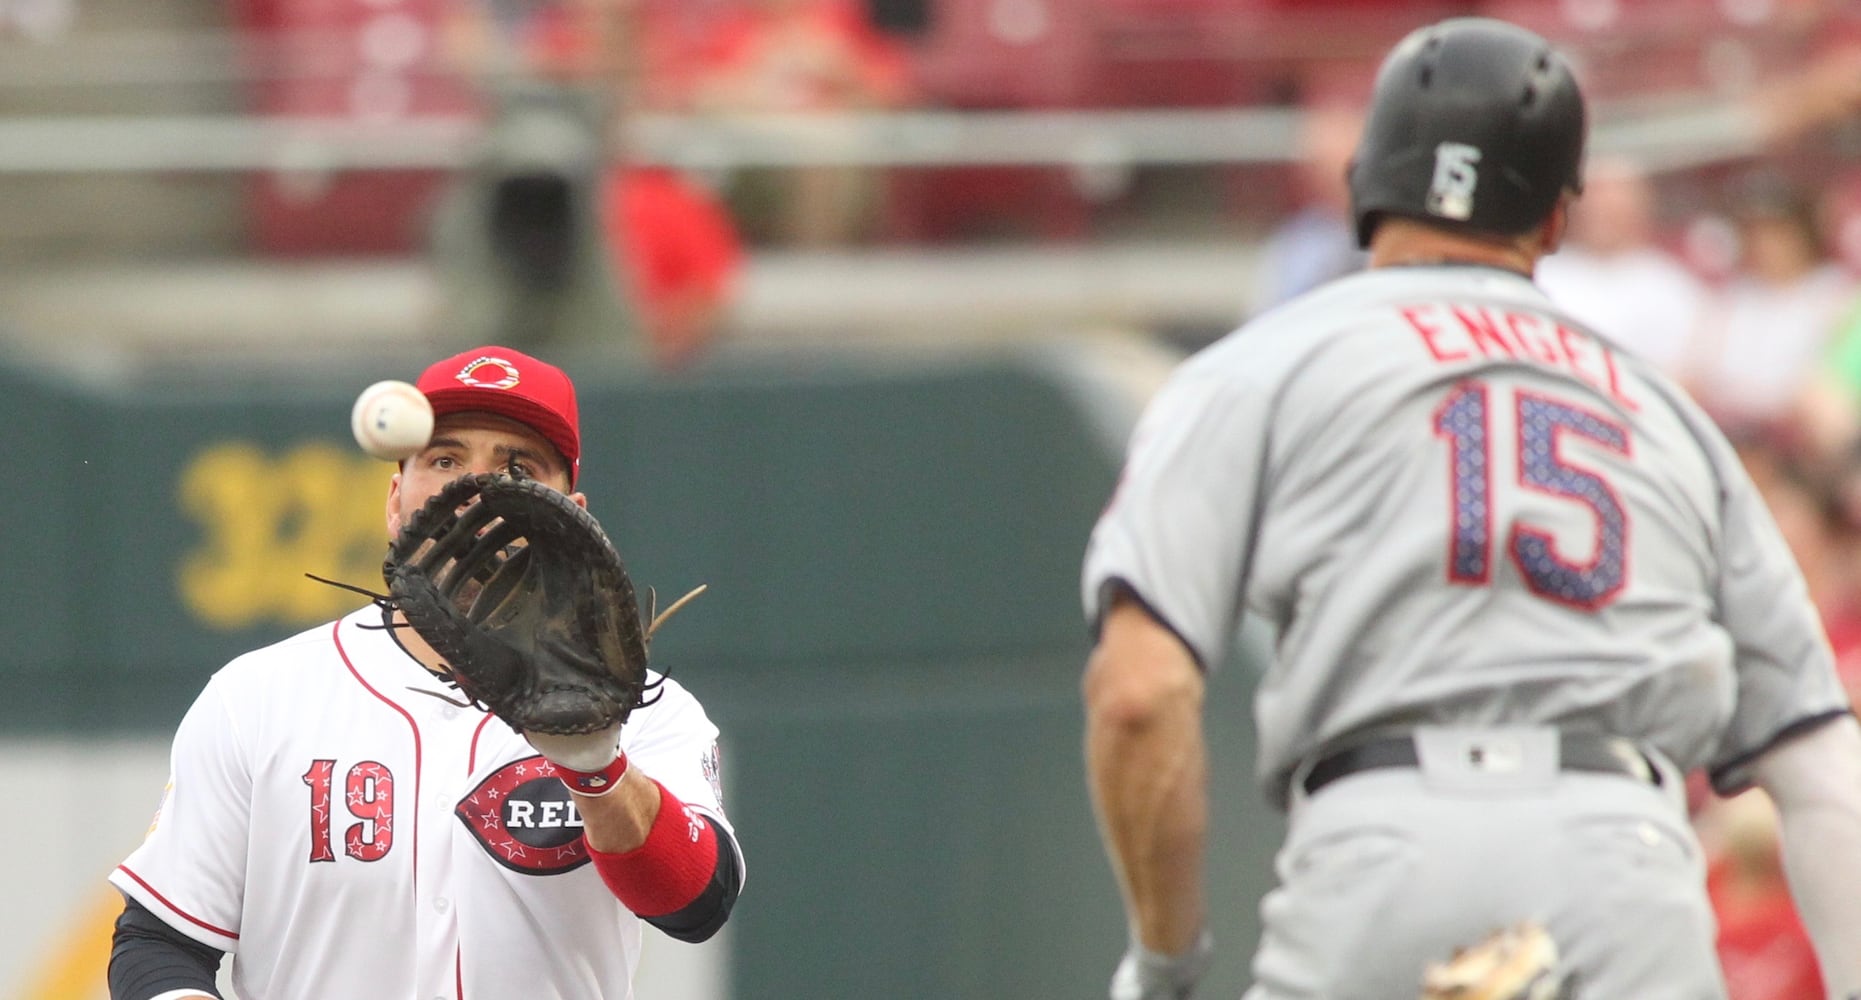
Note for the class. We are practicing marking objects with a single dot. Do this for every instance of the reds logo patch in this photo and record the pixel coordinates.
(489, 372)
(524, 818)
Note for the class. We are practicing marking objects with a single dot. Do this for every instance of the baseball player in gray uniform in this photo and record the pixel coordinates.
(1520, 586)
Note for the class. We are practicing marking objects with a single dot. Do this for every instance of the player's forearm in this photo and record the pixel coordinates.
(1146, 764)
(1815, 781)
(1148, 786)
(1823, 889)
(619, 821)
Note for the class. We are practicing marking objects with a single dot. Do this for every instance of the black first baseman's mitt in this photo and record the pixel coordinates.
(519, 590)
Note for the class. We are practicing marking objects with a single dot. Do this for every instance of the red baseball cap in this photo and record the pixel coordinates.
(513, 384)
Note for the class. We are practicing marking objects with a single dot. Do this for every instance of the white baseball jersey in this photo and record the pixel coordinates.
(345, 833)
(1459, 507)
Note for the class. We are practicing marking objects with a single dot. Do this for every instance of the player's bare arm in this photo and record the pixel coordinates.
(1146, 764)
(1815, 780)
(619, 822)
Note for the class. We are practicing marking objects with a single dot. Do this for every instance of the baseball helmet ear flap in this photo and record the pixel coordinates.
(1474, 124)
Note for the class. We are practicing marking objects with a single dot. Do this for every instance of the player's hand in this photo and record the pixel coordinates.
(583, 752)
(1149, 975)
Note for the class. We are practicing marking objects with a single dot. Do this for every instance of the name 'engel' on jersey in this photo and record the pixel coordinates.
(1535, 558)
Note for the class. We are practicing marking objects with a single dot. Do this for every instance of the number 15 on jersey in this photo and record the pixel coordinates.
(1469, 420)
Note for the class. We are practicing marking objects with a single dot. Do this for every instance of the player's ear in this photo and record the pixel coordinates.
(581, 499)
(1552, 231)
(394, 507)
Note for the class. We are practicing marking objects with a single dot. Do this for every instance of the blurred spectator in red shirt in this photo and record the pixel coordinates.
(664, 245)
(679, 255)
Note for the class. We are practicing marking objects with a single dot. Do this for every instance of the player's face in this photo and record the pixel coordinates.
(466, 444)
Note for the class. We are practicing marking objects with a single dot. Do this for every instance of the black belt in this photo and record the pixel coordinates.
(1576, 752)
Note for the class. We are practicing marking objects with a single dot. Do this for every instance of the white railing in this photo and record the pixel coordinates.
(1674, 135)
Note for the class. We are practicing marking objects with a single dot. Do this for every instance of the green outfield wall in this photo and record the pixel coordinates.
(891, 641)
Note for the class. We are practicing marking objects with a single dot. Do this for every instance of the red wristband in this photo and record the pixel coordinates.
(594, 784)
(669, 871)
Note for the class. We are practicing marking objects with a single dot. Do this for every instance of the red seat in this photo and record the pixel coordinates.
(346, 59)
(1005, 54)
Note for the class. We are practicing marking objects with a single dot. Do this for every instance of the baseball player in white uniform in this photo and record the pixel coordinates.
(1520, 586)
(342, 823)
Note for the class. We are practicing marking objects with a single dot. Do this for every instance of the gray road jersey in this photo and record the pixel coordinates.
(1456, 506)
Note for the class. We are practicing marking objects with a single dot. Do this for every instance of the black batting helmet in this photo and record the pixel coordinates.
(1473, 123)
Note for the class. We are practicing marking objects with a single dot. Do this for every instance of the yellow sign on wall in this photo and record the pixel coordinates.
(266, 520)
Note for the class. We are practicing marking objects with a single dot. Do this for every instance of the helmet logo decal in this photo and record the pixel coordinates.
(489, 373)
(1450, 194)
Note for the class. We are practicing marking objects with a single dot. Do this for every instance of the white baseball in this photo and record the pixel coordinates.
(392, 420)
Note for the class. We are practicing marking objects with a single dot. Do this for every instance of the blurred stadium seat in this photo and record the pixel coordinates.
(990, 55)
(1006, 54)
(348, 59)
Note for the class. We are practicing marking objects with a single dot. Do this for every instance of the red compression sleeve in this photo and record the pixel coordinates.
(670, 870)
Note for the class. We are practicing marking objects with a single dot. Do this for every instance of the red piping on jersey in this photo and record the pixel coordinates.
(471, 757)
(336, 636)
(183, 914)
(458, 951)
(471, 765)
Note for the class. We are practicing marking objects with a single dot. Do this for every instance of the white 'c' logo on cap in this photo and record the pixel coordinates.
(502, 374)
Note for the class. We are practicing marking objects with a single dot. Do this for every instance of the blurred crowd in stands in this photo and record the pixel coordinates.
(678, 240)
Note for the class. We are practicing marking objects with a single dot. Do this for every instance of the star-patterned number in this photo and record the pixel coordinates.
(368, 794)
(370, 791)
(1462, 421)
(318, 778)
(1544, 425)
